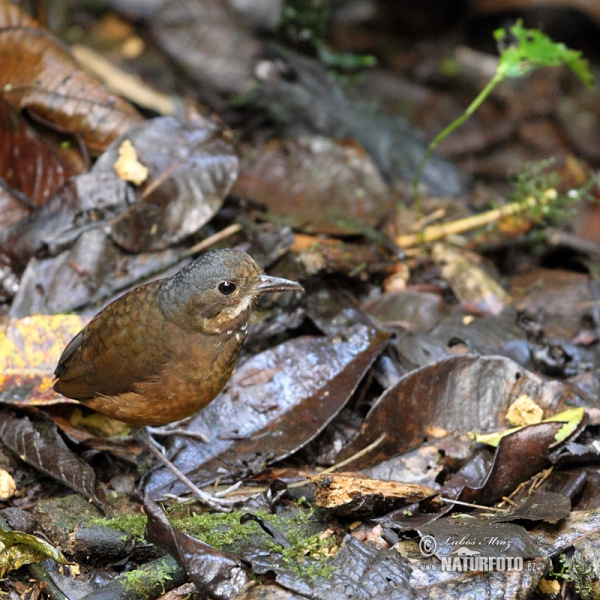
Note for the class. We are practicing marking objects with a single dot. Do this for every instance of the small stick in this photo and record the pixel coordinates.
(343, 463)
(122, 83)
(450, 501)
(436, 232)
(354, 457)
(213, 239)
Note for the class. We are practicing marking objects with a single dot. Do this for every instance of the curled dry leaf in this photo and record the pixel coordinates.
(38, 74)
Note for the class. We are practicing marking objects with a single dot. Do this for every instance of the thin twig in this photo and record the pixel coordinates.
(213, 239)
(356, 456)
(125, 84)
(450, 501)
(436, 232)
(343, 463)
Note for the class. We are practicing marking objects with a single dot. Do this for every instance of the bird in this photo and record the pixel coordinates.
(164, 350)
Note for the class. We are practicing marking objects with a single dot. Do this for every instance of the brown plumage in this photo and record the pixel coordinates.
(164, 350)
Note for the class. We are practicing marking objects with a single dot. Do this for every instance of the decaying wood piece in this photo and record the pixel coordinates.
(355, 494)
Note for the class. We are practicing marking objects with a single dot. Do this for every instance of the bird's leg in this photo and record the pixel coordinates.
(145, 440)
(176, 429)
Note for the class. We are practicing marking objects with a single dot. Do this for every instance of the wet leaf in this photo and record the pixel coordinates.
(188, 180)
(411, 310)
(86, 276)
(216, 575)
(333, 309)
(297, 91)
(358, 571)
(256, 421)
(316, 184)
(487, 334)
(449, 396)
(561, 295)
(518, 456)
(38, 74)
(28, 162)
(29, 352)
(540, 506)
(211, 42)
(18, 549)
(470, 537)
(83, 203)
(37, 442)
(579, 525)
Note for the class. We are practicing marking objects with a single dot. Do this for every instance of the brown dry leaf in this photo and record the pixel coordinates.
(11, 209)
(39, 74)
(316, 184)
(29, 351)
(28, 162)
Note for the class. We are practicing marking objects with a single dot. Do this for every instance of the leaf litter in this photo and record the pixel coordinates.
(370, 384)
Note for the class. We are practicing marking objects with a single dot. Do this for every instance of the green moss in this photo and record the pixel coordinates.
(143, 583)
(134, 525)
(308, 553)
(308, 556)
(579, 573)
(218, 530)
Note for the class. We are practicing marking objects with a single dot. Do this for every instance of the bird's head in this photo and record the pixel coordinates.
(217, 290)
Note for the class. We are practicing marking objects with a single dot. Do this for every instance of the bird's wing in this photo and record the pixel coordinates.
(122, 346)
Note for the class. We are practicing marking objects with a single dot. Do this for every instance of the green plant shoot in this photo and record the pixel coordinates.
(522, 50)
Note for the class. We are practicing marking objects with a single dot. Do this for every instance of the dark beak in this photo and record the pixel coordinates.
(267, 284)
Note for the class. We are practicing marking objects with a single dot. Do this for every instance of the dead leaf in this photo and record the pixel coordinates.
(38, 74)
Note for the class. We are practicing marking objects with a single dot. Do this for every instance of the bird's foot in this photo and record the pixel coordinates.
(218, 504)
(176, 429)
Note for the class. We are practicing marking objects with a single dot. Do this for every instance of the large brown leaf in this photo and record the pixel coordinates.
(456, 395)
(38, 74)
(316, 184)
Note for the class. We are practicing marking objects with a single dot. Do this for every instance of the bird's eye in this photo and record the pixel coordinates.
(227, 288)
